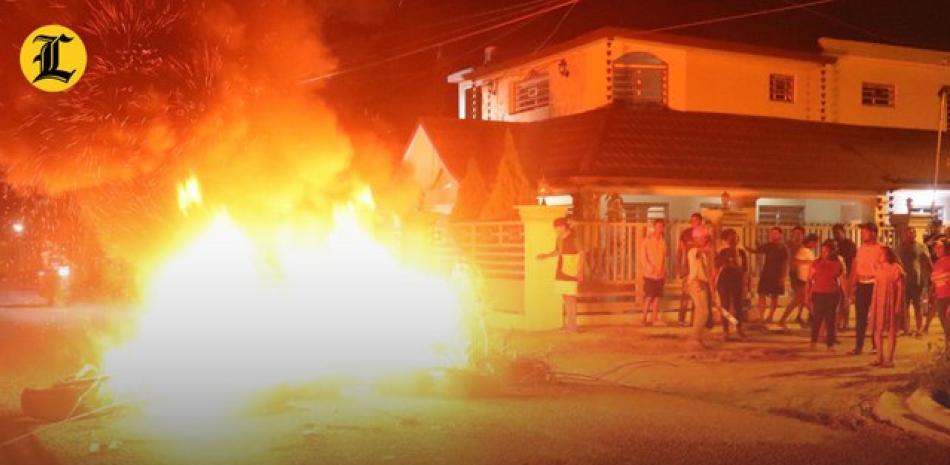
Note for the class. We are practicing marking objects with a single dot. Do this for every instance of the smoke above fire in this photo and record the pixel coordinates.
(175, 89)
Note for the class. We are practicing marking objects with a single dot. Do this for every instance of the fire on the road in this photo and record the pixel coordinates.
(232, 315)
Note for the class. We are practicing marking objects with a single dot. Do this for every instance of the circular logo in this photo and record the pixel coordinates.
(53, 58)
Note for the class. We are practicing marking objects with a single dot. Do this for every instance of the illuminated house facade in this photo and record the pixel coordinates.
(668, 123)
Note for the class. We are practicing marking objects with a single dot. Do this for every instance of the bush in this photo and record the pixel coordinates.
(935, 374)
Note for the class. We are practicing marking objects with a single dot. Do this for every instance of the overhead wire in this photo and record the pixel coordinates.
(553, 7)
(557, 27)
(867, 32)
(751, 14)
(440, 43)
(509, 10)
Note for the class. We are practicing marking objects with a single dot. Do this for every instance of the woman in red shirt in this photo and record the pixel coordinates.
(825, 287)
(940, 279)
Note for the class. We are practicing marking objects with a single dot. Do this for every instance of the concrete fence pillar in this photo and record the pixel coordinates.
(542, 298)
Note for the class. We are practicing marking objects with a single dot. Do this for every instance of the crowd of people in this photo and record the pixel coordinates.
(882, 283)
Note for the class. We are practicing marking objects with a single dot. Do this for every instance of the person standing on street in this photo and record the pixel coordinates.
(846, 252)
(772, 277)
(732, 266)
(886, 305)
(682, 263)
(915, 260)
(802, 260)
(697, 282)
(653, 254)
(824, 289)
(861, 281)
(940, 290)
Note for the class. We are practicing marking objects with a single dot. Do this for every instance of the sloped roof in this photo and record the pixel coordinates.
(659, 146)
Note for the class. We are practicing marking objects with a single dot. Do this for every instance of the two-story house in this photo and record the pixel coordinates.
(669, 123)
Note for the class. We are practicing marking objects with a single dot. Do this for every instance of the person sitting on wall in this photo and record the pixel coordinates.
(566, 250)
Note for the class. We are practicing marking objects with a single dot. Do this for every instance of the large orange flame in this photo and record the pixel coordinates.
(230, 316)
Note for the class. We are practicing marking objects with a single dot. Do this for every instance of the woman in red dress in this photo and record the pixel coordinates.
(886, 304)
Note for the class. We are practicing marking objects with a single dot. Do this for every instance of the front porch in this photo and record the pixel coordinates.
(520, 290)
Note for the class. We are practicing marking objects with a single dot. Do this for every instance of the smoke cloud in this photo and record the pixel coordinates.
(174, 89)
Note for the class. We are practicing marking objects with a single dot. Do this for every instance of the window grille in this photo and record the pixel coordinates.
(781, 215)
(640, 77)
(782, 88)
(877, 95)
(533, 92)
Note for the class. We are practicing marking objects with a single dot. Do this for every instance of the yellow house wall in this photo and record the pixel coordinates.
(916, 85)
(582, 90)
(698, 80)
(736, 83)
(732, 82)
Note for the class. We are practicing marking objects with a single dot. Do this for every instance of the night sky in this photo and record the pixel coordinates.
(391, 96)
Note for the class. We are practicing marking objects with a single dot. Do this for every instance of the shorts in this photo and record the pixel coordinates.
(771, 286)
(653, 287)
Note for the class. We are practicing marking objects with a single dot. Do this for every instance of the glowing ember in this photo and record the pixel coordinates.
(189, 194)
(230, 316)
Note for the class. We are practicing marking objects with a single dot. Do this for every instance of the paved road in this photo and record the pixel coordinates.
(567, 425)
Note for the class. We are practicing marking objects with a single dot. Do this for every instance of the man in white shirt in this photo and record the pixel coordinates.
(865, 266)
(653, 256)
(697, 282)
(802, 259)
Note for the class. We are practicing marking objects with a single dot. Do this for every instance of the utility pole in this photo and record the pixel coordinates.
(942, 125)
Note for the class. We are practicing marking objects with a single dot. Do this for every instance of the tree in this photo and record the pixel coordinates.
(511, 186)
(471, 195)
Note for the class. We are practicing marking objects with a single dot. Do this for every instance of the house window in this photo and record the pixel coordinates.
(532, 92)
(644, 212)
(640, 77)
(877, 95)
(782, 88)
(781, 215)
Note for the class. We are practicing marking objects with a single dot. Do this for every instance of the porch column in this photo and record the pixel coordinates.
(543, 304)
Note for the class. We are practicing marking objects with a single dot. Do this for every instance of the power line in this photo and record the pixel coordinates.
(841, 22)
(401, 81)
(479, 26)
(539, 12)
(722, 19)
(557, 27)
(503, 11)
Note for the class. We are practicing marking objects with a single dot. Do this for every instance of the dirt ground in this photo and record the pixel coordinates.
(625, 395)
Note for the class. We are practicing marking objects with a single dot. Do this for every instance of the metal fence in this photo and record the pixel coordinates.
(610, 249)
(496, 249)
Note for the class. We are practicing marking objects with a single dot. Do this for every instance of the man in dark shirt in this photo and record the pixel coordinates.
(772, 278)
(916, 262)
(846, 250)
